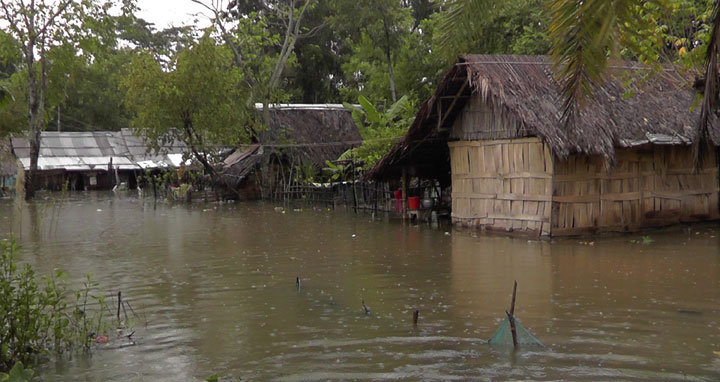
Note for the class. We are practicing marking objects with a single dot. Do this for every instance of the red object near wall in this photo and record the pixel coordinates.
(414, 202)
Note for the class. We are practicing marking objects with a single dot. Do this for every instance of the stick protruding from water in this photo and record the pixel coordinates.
(511, 317)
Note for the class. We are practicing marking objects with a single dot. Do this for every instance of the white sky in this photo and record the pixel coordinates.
(165, 13)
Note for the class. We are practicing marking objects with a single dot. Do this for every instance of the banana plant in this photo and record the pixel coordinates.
(5, 96)
(379, 129)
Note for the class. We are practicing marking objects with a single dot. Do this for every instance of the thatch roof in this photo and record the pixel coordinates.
(238, 165)
(312, 132)
(659, 110)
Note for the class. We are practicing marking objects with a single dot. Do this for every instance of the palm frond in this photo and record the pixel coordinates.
(585, 36)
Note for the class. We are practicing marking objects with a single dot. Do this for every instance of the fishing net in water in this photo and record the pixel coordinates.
(503, 336)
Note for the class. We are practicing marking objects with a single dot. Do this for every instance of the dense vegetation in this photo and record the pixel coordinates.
(98, 66)
(42, 318)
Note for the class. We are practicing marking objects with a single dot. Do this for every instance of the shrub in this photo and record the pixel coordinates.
(38, 318)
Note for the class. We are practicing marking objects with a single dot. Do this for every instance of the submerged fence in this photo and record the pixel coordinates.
(375, 196)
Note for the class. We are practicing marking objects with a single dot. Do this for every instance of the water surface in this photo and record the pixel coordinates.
(217, 286)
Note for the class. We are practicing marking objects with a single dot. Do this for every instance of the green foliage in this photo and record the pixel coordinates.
(37, 318)
(493, 27)
(305, 173)
(379, 129)
(5, 96)
(337, 172)
(18, 373)
(586, 35)
(378, 36)
(200, 103)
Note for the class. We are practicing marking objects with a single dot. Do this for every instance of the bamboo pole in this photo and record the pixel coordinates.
(403, 197)
(511, 317)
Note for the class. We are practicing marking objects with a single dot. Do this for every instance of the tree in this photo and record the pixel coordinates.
(493, 27)
(201, 102)
(376, 29)
(38, 26)
(252, 21)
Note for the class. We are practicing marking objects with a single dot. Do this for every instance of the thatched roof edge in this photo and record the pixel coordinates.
(661, 111)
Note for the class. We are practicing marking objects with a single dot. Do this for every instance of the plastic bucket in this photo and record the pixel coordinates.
(414, 202)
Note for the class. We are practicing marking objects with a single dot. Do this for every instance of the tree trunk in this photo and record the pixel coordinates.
(34, 119)
(389, 61)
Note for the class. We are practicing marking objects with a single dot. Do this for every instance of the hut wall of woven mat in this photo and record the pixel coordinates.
(503, 185)
(648, 186)
(517, 185)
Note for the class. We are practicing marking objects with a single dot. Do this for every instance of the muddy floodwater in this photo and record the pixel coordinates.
(216, 285)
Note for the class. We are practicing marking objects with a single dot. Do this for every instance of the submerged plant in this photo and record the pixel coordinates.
(17, 374)
(37, 318)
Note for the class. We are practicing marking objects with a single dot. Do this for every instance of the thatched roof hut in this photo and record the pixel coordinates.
(313, 132)
(493, 126)
(297, 134)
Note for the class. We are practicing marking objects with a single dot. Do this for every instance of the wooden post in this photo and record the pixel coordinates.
(511, 317)
(404, 192)
(110, 173)
(119, 304)
(512, 304)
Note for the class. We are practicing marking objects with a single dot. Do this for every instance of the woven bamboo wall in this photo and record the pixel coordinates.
(648, 186)
(503, 185)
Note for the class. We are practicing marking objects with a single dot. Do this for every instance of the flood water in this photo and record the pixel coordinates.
(217, 286)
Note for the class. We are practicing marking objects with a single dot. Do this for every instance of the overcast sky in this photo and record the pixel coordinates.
(164, 13)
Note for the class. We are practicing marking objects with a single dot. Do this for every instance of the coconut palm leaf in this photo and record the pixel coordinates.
(585, 35)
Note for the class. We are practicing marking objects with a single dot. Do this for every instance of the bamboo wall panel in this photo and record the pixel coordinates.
(502, 184)
(648, 186)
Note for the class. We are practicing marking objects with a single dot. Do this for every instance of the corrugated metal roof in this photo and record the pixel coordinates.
(87, 151)
(657, 139)
(304, 106)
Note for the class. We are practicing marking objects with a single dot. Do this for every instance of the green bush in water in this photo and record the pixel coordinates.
(37, 318)
(17, 374)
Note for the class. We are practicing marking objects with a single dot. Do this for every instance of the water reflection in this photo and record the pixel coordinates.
(216, 284)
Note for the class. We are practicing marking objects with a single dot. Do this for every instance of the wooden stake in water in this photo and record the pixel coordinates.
(119, 305)
(511, 317)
